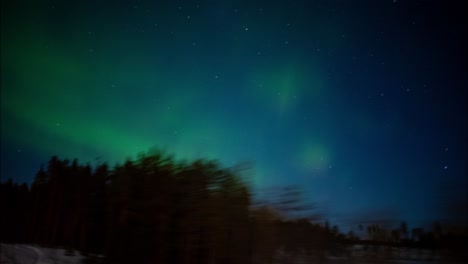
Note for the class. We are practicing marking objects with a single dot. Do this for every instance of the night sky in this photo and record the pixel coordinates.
(360, 103)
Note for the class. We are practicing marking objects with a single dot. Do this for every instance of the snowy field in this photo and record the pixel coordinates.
(370, 255)
(32, 254)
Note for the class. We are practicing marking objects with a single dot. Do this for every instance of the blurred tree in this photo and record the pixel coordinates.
(395, 233)
(404, 230)
(154, 210)
(416, 234)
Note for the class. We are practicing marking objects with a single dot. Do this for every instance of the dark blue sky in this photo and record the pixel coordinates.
(361, 103)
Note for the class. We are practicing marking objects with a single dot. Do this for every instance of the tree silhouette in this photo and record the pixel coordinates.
(156, 210)
(404, 230)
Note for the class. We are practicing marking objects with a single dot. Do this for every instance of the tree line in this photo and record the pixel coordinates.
(157, 210)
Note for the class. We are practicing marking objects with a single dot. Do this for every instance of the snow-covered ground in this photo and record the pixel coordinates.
(359, 254)
(31, 254)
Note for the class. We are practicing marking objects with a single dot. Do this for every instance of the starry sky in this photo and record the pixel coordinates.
(360, 103)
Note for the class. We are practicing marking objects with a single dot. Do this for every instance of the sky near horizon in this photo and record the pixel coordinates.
(360, 103)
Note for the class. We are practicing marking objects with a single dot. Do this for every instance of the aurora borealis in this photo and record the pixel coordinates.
(361, 103)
